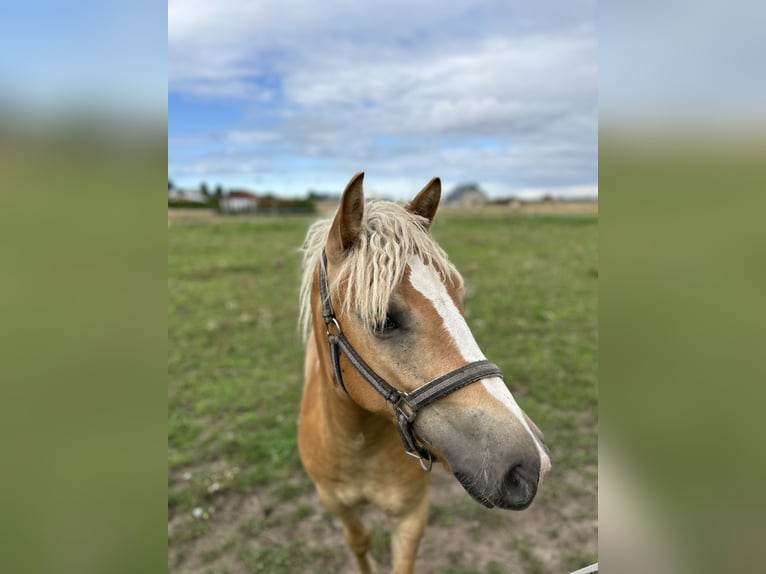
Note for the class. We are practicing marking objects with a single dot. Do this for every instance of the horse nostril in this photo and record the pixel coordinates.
(512, 478)
(520, 486)
(515, 478)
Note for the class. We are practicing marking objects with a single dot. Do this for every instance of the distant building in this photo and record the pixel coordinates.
(185, 196)
(238, 201)
(466, 195)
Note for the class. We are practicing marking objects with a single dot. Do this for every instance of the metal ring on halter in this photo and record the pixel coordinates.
(420, 460)
(332, 321)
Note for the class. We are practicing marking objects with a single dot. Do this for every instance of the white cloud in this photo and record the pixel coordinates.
(332, 78)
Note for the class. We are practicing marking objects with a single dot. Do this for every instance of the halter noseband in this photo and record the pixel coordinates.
(406, 405)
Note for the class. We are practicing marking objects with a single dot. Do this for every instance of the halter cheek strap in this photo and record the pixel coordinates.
(406, 405)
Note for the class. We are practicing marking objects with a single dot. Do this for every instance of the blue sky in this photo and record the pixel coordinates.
(292, 95)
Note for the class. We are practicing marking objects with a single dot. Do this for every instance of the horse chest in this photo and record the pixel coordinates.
(379, 488)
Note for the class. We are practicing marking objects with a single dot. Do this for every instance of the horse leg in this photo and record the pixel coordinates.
(357, 536)
(406, 531)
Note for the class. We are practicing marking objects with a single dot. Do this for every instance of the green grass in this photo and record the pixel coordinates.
(531, 563)
(294, 557)
(235, 357)
(380, 544)
(459, 568)
(234, 354)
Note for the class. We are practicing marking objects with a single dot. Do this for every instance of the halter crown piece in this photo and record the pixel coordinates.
(406, 405)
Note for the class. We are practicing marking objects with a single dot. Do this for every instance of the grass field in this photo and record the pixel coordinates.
(238, 499)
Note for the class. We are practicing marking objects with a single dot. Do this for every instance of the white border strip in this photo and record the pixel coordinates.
(587, 569)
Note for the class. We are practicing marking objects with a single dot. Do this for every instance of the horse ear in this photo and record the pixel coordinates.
(427, 200)
(347, 224)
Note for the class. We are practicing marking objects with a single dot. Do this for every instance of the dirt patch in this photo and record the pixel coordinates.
(286, 529)
(181, 214)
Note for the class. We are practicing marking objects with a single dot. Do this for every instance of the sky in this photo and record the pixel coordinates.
(288, 96)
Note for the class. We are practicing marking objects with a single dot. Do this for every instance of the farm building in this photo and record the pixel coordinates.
(466, 195)
(238, 201)
(186, 196)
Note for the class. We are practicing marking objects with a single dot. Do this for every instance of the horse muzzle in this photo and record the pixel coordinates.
(498, 464)
(513, 489)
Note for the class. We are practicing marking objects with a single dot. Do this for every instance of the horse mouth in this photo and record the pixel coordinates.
(468, 484)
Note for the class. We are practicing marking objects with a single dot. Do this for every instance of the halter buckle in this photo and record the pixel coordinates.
(404, 408)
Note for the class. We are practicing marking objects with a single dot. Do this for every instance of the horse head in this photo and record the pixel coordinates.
(400, 304)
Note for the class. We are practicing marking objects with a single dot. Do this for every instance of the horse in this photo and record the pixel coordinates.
(382, 310)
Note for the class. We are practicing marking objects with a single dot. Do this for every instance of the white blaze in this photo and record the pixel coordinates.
(425, 280)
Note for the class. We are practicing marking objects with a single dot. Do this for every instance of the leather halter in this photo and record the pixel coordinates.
(406, 405)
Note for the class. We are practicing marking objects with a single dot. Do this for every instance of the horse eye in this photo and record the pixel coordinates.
(388, 325)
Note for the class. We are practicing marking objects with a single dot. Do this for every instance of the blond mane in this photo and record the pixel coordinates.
(375, 264)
